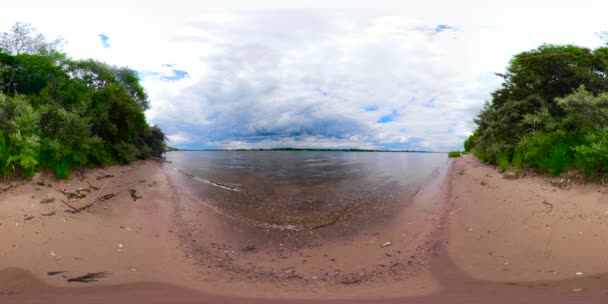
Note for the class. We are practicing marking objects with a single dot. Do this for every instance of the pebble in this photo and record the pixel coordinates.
(386, 244)
(579, 273)
(121, 246)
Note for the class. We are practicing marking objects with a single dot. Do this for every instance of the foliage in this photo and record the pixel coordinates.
(550, 113)
(57, 113)
(454, 154)
(470, 142)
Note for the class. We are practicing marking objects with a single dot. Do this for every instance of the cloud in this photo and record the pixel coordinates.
(296, 79)
(224, 76)
(104, 40)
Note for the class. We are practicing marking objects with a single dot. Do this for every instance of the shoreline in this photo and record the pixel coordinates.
(458, 242)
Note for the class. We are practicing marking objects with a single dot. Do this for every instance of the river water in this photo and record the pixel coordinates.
(305, 190)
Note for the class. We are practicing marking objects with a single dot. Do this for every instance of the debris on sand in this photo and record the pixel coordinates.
(89, 277)
(386, 244)
(52, 273)
(249, 248)
(350, 281)
(510, 175)
(47, 200)
(134, 195)
(103, 176)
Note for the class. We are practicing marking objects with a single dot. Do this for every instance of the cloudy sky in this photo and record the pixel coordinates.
(365, 74)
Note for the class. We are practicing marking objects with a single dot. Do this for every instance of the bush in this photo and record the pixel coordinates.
(58, 114)
(454, 154)
(469, 144)
(592, 157)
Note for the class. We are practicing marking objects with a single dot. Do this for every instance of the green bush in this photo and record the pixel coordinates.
(58, 114)
(454, 154)
(592, 157)
(469, 144)
(551, 112)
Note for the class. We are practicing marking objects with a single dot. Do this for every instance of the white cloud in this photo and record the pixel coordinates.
(268, 77)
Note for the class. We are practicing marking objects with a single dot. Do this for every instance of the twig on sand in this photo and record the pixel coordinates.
(52, 273)
(71, 207)
(89, 277)
(106, 197)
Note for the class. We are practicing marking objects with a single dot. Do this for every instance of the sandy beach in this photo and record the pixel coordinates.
(468, 235)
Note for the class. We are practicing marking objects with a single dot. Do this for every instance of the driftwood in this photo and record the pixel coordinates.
(52, 273)
(11, 187)
(99, 199)
(89, 277)
(71, 207)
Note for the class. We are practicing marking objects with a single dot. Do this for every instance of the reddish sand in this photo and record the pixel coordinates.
(467, 236)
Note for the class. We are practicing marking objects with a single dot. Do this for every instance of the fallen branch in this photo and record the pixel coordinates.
(89, 277)
(48, 214)
(105, 197)
(75, 210)
(11, 187)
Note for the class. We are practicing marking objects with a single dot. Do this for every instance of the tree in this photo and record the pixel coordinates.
(551, 112)
(57, 113)
(24, 39)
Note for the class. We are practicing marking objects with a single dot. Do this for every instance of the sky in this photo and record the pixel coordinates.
(313, 74)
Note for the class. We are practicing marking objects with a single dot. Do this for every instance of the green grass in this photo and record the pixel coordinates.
(518, 160)
(503, 162)
(4, 156)
(454, 154)
(63, 169)
(559, 159)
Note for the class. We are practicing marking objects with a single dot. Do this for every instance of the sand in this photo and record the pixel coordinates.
(467, 236)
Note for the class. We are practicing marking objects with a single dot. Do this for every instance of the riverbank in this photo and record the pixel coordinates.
(468, 235)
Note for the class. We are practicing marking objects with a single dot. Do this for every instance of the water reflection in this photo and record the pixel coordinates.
(305, 190)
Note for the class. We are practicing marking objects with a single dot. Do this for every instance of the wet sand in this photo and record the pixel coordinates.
(467, 236)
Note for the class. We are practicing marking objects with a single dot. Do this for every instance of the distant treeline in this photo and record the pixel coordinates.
(308, 149)
(57, 113)
(551, 112)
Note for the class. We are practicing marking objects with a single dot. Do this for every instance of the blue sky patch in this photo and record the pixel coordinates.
(371, 108)
(104, 41)
(177, 75)
(388, 118)
(442, 28)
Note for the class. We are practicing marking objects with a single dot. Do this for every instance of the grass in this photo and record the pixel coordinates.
(518, 160)
(559, 159)
(454, 154)
(503, 162)
(63, 168)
